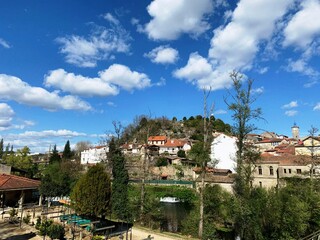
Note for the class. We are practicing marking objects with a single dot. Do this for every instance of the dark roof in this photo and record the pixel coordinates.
(13, 182)
(218, 178)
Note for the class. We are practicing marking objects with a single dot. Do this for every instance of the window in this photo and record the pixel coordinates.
(298, 171)
(260, 170)
(285, 170)
(271, 170)
(289, 171)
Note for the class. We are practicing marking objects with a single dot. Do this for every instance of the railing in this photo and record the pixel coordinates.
(166, 182)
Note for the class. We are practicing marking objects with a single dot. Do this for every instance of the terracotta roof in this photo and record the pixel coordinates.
(285, 160)
(157, 138)
(13, 182)
(174, 143)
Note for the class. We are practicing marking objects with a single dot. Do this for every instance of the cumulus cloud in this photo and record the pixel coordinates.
(108, 83)
(13, 88)
(259, 90)
(234, 46)
(6, 114)
(303, 28)
(101, 44)
(291, 113)
(163, 55)
(199, 71)
(79, 85)
(183, 16)
(4, 44)
(292, 104)
(123, 77)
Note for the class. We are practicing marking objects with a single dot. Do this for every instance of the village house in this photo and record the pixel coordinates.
(308, 146)
(94, 155)
(270, 171)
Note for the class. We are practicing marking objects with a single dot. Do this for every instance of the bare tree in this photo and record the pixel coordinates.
(243, 114)
(314, 150)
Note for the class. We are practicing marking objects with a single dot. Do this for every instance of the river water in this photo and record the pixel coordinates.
(174, 213)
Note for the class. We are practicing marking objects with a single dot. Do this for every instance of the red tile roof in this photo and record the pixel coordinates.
(13, 182)
(285, 160)
(157, 138)
(175, 143)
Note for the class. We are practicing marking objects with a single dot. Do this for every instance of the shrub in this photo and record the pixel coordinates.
(26, 219)
(44, 226)
(161, 162)
(56, 231)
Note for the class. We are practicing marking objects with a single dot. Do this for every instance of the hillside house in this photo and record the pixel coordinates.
(94, 155)
(157, 140)
(223, 152)
(307, 146)
(173, 146)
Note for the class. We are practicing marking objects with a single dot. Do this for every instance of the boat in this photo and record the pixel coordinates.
(169, 200)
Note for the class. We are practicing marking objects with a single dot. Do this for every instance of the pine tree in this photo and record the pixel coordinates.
(1, 148)
(54, 157)
(67, 154)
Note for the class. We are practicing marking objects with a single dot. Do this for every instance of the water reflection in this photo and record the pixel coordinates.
(174, 213)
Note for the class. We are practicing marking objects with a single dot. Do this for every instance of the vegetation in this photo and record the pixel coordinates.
(54, 157)
(56, 231)
(92, 193)
(119, 197)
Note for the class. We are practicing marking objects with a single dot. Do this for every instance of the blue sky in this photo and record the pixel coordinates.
(70, 68)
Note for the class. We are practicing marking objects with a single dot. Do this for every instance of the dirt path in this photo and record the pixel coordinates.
(10, 231)
(142, 233)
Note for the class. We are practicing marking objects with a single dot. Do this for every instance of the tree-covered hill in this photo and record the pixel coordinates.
(191, 128)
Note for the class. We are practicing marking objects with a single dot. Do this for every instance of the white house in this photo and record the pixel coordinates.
(223, 152)
(94, 155)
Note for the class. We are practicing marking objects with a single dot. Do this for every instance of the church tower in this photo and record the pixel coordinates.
(295, 131)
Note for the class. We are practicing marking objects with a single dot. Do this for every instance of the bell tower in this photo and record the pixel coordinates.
(295, 131)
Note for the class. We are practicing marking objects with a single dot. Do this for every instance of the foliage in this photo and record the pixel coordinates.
(92, 192)
(243, 114)
(59, 178)
(56, 231)
(67, 153)
(119, 197)
(1, 148)
(26, 219)
(44, 226)
(54, 157)
(162, 162)
(199, 153)
(181, 153)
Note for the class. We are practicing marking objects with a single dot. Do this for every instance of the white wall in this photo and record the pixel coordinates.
(223, 152)
(94, 155)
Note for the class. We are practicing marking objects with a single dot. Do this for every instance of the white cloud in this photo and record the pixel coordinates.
(304, 27)
(301, 66)
(6, 114)
(200, 72)
(109, 17)
(13, 88)
(234, 46)
(163, 55)
(220, 112)
(123, 77)
(101, 44)
(259, 90)
(4, 44)
(291, 113)
(111, 104)
(292, 104)
(317, 107)
(79, 85)
(170, 19)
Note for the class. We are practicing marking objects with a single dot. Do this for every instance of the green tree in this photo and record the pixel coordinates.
(119, 197)
(181, 153)
(92, 193)
(56, 231)
(67, 153)
(54, 156)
